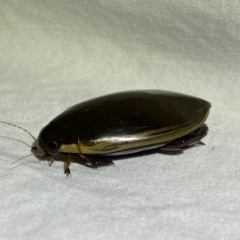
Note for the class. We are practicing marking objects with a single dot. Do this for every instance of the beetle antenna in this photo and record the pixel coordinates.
(21, 164)
(19, 128)
(25, 157)
(21, 158)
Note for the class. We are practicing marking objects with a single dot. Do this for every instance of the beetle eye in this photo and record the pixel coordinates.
(52, 147)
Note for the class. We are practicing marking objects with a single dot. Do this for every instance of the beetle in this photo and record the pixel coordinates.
(125, 123)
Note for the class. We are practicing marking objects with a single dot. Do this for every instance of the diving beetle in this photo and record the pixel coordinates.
(125, 123)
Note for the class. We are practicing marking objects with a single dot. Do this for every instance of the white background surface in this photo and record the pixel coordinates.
(54, 54)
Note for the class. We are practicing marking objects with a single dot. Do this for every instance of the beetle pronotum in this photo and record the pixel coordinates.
(125, 123)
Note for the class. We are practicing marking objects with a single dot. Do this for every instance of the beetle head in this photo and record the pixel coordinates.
(58, 132)
(48, 142)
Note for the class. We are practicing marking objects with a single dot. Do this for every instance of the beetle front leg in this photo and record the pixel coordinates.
(50, 161)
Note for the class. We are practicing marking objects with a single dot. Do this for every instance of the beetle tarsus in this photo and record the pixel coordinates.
(104, 163)
(95, 164)
(67, 171)
(67, 164)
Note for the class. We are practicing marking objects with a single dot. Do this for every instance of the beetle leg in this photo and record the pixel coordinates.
(86, 158)
(83, 156)
(67, 164)
(98, 163)
(92, 162)
(104, 163)
(184, 142)
(50, 161)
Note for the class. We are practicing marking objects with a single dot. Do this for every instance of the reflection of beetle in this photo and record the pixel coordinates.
(124, 123)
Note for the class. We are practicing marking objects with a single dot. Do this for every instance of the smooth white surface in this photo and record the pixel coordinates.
(54, 54)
